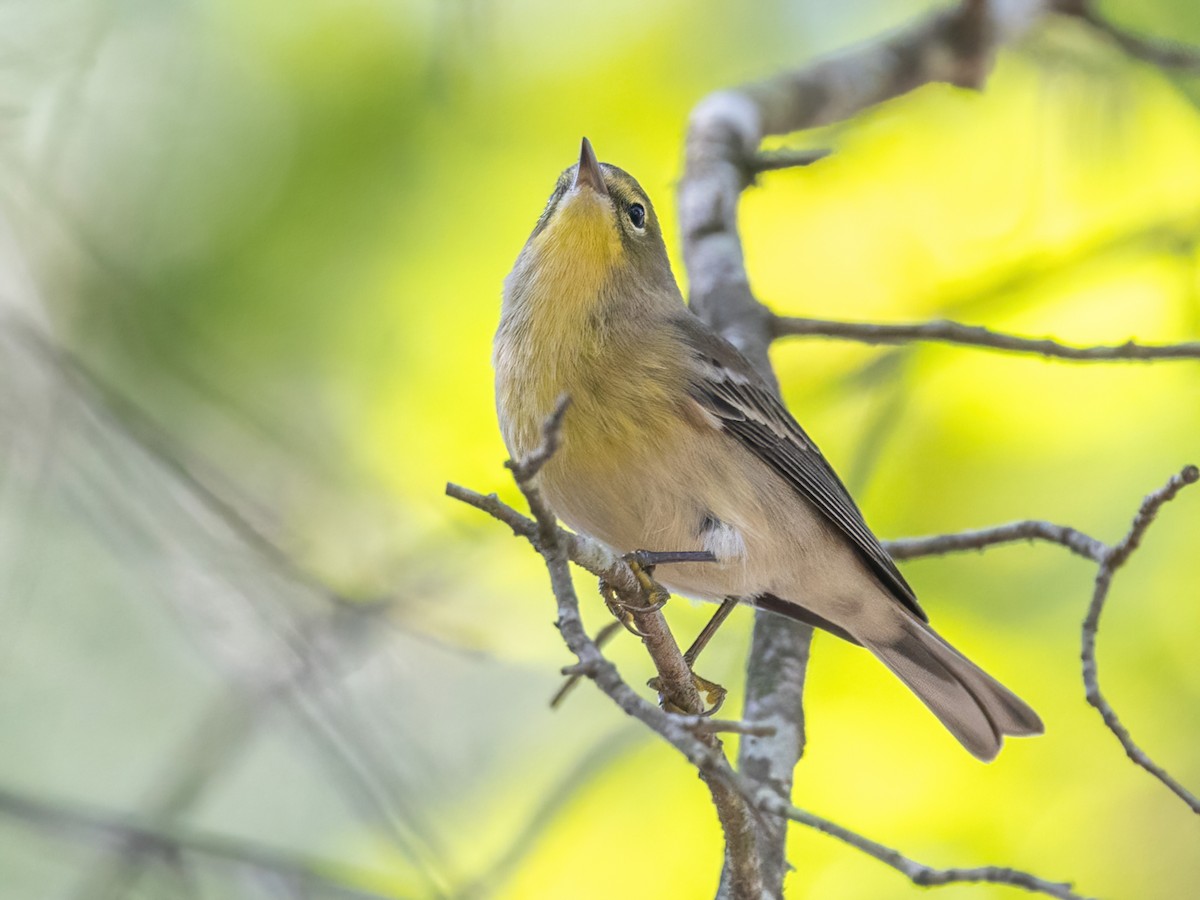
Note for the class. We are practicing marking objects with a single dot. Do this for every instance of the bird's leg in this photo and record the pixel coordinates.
(651, 558)
(642, 563)
(654, 596)
(707, 632)
(713, 693)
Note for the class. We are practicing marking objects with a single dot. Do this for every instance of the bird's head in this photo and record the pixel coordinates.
(598, 229)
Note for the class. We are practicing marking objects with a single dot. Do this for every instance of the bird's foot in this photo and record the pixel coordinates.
(623, 609)
(653, 595)
(711, 694)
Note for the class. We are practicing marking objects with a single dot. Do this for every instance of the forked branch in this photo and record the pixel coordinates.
(741, 802)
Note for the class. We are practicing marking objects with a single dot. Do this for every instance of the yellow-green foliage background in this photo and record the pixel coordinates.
(280, 229)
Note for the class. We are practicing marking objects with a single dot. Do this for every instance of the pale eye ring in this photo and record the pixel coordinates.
(637, 215)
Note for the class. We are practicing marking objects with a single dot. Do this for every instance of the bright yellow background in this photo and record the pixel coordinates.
(281, 228)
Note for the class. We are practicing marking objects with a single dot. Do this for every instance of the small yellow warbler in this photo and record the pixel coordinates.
(673, 442)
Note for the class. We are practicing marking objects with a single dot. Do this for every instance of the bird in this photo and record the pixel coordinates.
(672, 441)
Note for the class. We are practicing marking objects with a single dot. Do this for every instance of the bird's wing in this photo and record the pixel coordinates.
(727, 387)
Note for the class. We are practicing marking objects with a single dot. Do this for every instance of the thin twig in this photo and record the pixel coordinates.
(1113, 560)
(675, 674)
(1028, 530)
(927, 876)
(527, 467)
(734, 812)
(772, 160)
(574, 674)
(947, 332)
(703, 725)
(733, 792)
(581, 550)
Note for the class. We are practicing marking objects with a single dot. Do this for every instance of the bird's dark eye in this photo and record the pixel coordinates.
(637, 215)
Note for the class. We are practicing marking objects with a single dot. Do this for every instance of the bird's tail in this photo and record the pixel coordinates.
(976, 708)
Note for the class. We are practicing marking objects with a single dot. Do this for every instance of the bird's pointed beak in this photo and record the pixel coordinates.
(589, 172)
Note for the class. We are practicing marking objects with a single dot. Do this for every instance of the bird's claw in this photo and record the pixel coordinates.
(654, 595)
(641, 563)
(620, 610)
(712, 695)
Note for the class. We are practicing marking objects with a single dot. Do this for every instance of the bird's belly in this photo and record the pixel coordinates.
(714, 496)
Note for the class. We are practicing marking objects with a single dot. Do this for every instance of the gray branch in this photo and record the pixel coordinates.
(721, 158)
(928, 876)
(1028, 530)
(738, 820)
(1112, 560)
(946, 332)
(746, 805)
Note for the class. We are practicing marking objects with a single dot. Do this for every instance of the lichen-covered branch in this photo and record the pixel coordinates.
(721, 158)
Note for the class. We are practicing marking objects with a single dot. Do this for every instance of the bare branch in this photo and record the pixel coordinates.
(703, 725)
(581, 550)
(721, 149)
(770, 161)
(1110, 559)
(1148, 511)
(947, 332)
(1113, 560)
(927, 876)
(738, 819)
(734, 793)
(526, 468)
(1028, 530)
